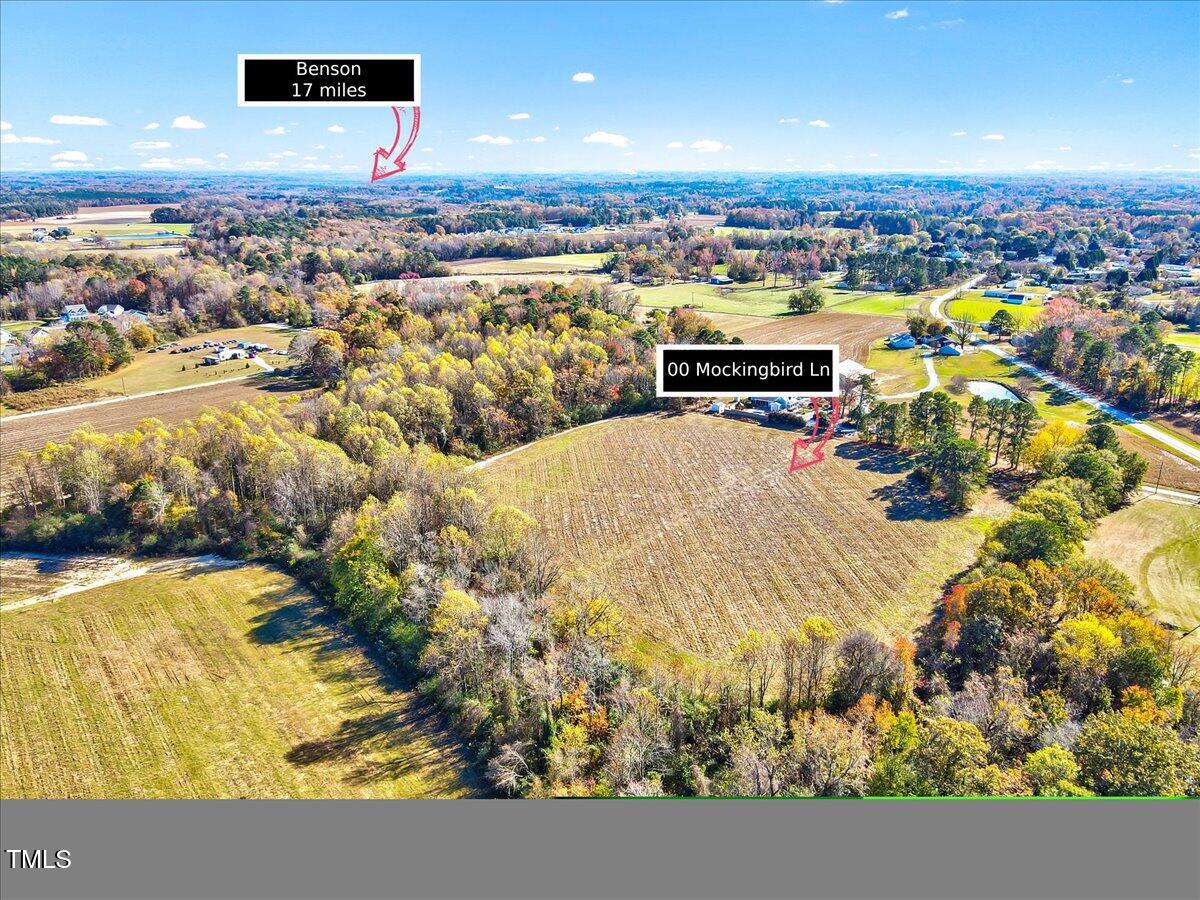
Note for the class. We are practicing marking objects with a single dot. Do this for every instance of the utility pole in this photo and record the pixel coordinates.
(1158, 480)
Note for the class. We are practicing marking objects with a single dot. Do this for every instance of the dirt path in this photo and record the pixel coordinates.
(54, 410)
(104, 570)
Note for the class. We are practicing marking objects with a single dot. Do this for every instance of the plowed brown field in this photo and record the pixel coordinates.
(695, 527)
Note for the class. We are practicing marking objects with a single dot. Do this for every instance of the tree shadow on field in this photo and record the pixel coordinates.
(908, 499)
(396, 740)
(392, 731)
(873, 458)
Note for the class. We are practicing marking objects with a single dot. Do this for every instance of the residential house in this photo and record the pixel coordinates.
(76, 312)
(110, 310)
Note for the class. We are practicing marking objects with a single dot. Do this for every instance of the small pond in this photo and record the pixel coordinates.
(990, 390)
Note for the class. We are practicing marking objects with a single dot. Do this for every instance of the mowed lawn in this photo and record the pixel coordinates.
(1188, 340)
(566, 262)
(234, 683)
(159, 371)
(1157, 544)
(974, 306)
(695, 527)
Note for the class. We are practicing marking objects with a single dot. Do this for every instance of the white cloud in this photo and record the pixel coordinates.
(77, 120)
(9, 138)
(165, 162)
(187, 123)
(607, 137)
(426, 149)
(256, 164)
(958, 134)
(951, 23)
(222, 155)
(1126, 81)
(583, 77)
(536, 139)
(150, 126)
(1065, 148)
(897, 14)
(283, 154)
(149, 145)
(675, 145)
(5, 126)
(789, 120)
(69, 156)
(310, 159)
(827, 167)
(818, 123)
(337, 129)
(993, 136)
(708, 145)
(490, 139)
(1043, 165)
(73, 165)
(517, 117)
(278, 129)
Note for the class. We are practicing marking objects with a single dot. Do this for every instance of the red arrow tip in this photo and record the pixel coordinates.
(383, 167)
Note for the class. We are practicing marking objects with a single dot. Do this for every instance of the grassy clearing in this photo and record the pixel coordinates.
(696, 528)
(237, 683)
(567, 262)
(873, 303)
(1157, 543)
(159, 371)
(897, 371)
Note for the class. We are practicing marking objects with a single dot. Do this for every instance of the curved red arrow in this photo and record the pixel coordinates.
(816, 442)
(387, 161)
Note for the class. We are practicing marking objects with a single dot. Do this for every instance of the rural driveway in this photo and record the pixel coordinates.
(1176, 445)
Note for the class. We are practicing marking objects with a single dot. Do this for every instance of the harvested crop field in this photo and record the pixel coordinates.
(1157, 543)
(854, 333)
(28, 433)
(695, 527)
(234, 682)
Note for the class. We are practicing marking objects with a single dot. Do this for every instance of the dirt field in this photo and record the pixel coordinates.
(232, 683)
(28, 433)
(694, 525)
(1157, 543)
(854, 333)
(1173, 471)
(495, 265)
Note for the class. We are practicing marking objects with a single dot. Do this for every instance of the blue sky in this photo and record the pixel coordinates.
(851, 86)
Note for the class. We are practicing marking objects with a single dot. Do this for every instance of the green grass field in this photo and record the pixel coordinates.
(1157, 543)
(756, 300)
(975, 307)
(233, 683)
(159, 371)
(897, 371)
(567, 262)
(1189, 340)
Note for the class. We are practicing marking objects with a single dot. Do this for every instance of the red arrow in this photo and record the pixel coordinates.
(387, 161)
(815, 444)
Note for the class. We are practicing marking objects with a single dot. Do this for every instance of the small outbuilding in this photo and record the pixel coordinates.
(902, 342)
(720, 279)
(949, 350)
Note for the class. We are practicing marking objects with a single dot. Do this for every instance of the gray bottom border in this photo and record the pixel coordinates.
(641, 849)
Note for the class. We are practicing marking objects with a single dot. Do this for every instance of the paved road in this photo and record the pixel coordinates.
(1166, 438)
